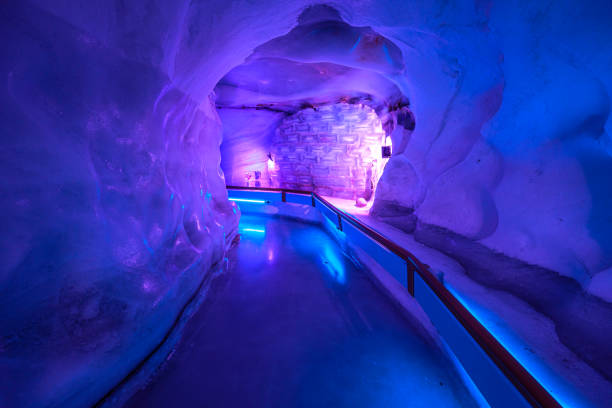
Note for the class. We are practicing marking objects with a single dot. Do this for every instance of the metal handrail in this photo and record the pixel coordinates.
(525, 383)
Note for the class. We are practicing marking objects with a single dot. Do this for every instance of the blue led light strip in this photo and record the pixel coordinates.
(246, 200)
(253, 230)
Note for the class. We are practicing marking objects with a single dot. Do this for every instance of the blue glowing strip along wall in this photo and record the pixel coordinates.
(392, 263)
(271, 196)
(328, 212)
(488, 363)
(494, 386)
(298, 198)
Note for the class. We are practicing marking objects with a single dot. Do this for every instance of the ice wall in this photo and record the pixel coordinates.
(510, 162)
(513, 149)
(247, 141)
(113, 206)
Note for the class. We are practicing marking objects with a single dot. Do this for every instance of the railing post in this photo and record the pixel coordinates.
(284, 196)
(410, 277)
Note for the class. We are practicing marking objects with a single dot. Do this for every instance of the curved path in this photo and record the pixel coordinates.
(295, 323)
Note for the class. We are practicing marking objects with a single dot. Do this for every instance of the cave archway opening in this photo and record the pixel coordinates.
(316, 109)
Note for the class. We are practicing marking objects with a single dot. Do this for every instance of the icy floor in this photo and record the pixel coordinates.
(527, 334)
(297, 324)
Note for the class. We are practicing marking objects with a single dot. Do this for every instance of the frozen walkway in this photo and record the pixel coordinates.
(295, 324)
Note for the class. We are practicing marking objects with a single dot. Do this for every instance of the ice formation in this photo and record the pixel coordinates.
(114, 207)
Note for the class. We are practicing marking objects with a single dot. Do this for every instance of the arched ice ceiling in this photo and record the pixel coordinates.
(321, 61)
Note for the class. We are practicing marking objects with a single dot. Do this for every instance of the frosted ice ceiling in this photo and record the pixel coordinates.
(113, 204)
(281, 84)
(321, 61)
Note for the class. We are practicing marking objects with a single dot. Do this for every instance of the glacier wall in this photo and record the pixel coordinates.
(514, 151)
(247, 141)
(114, 209)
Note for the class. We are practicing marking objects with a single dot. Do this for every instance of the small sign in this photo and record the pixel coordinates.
(386, 151)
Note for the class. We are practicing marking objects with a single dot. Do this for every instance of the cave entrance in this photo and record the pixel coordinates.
(310, 110)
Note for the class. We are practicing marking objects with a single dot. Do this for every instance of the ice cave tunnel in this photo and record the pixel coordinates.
(306, 203)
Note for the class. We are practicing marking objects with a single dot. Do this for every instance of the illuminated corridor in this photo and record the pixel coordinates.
(295, 324)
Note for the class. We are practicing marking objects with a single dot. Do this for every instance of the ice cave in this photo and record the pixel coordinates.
(306, 203)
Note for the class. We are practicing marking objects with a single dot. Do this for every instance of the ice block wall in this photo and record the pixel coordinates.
(334, 150)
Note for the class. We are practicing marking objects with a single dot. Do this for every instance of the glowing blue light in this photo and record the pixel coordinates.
(252, 226)
(201, 192)
(562, 391)
(246, 200)
(387, 56)
(171, 196)
(356, 44)
(253, 230)
(146, 243)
